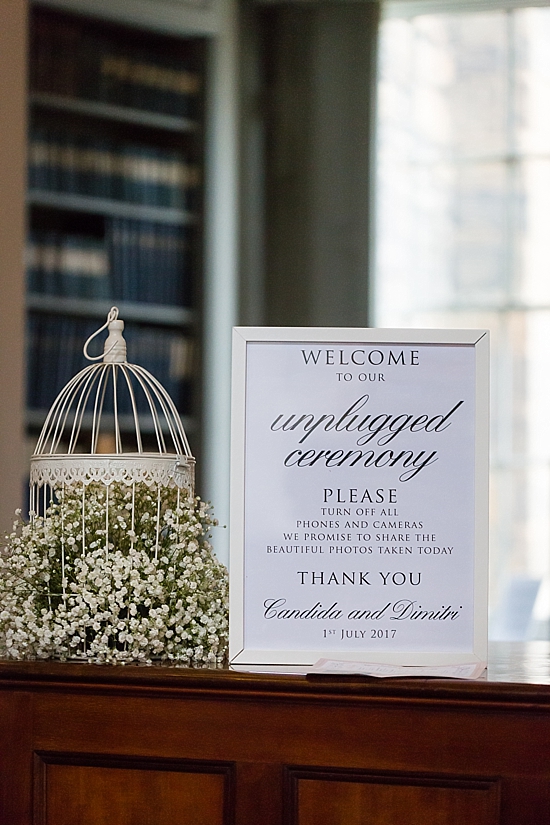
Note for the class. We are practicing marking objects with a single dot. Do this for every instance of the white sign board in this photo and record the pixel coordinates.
(359, 496)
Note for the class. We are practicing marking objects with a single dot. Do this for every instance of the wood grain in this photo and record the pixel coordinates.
(159, 746)
(398, 799)
(103, 792)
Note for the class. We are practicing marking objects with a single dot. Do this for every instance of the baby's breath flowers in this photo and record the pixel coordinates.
(147, 589)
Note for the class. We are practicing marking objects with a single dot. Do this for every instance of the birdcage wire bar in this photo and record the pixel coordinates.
(59, 458)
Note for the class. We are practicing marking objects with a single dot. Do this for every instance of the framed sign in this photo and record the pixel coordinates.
(359, 514)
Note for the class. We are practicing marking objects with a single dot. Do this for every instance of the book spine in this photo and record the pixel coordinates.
(114, 247)
(182, 271)
(70, 60)
(127, 258)
(41, 77)
(92, 50)
(39, 159)
(54, 55)
(162, 260)
(77, 164)
(32, 360)
(33, 263)
(143, 243)
(65, 46)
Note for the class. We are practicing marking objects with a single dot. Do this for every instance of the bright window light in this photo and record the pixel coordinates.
(463, 240)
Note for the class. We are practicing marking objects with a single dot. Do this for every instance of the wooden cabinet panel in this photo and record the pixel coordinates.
(167, 746)
(15, 749)
(73, 790)
(372, 800)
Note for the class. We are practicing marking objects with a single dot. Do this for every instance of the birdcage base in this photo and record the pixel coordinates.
(147, 468)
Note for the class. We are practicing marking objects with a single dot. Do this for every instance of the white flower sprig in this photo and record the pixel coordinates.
(149, 589)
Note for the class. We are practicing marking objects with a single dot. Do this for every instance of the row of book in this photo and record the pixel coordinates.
(80, 164)
(54, 355)
(150, 262)
(70, 58)
(73, 266)
(135, 261)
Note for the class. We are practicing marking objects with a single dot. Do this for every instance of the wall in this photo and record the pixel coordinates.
(318, 66)
(13, 33)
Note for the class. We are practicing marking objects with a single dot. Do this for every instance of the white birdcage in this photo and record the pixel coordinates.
(70, 449)
(115, 564)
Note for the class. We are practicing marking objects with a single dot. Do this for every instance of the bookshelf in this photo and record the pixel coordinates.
(215, 25)
(115, 201)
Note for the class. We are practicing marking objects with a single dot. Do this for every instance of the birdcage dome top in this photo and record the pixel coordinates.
(115, 403)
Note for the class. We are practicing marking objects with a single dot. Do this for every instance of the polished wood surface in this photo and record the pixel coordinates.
(126, 792)
(392, 803)
(94, 745)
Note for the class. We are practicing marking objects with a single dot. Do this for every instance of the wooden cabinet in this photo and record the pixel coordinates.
(92, 745)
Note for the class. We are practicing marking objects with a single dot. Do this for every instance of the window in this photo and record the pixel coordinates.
(463, 240)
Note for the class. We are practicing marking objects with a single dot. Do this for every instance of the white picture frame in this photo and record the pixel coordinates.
(441, 376)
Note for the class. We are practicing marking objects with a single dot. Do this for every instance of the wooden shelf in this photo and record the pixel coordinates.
(110, 111)
(131, 311)
(111, 208)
